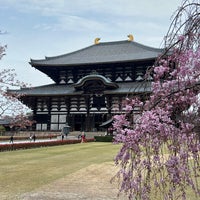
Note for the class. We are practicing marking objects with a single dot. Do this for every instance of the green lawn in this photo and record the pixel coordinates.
(25, 170)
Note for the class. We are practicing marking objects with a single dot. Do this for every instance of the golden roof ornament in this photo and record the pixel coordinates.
(96, 41)
(130, 37)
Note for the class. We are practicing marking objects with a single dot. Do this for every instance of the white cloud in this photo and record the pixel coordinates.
(77, 23)
(96, 8)
(153, 8)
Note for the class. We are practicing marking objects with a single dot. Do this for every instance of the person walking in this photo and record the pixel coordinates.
(83, 137)
(62, 136)
(34, 137)
(30, 138)
(11, 139)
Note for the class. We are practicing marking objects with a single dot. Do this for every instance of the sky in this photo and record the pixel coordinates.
(34, 29)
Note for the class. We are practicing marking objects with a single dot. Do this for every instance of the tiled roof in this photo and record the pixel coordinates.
(105, 52)
(47, 90)
(60, 90)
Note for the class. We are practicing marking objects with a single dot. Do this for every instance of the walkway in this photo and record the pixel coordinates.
(71, 136)
(38, 140)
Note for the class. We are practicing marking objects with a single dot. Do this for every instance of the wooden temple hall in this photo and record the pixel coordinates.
(90, 84)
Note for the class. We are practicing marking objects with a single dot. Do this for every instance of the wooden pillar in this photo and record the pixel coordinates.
(109, 106)
(87, 117)
(67, 102)
(49, 103)
(34, 108)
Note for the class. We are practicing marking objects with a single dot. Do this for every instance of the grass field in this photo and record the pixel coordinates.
(60, 168)
(25, 170)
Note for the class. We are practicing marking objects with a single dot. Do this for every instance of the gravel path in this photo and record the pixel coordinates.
(90, 183)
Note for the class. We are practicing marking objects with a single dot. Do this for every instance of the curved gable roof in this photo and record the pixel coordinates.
(95, 77)
(105, 52)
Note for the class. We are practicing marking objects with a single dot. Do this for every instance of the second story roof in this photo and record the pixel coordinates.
(105, 52)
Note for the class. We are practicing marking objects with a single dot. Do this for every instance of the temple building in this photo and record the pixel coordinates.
(90, 84)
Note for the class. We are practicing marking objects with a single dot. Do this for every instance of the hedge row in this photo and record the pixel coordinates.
(27, 145)
(107, 138)
(4, 138)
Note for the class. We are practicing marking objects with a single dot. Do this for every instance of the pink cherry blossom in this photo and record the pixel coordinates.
(163, 145)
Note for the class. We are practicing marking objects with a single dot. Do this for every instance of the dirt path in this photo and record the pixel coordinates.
(90, 183)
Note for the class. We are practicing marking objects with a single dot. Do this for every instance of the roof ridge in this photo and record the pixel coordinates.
(76, 51)
(103, 52)
(99, 44)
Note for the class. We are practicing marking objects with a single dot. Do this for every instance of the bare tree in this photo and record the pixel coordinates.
(10, 106)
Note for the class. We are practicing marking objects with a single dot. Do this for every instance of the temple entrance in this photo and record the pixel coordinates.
(79, 122)
(98, 119)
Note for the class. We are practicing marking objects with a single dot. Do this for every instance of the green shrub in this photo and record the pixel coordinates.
(107, 138)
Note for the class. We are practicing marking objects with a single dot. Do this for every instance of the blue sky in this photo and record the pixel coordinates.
(39, 28)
